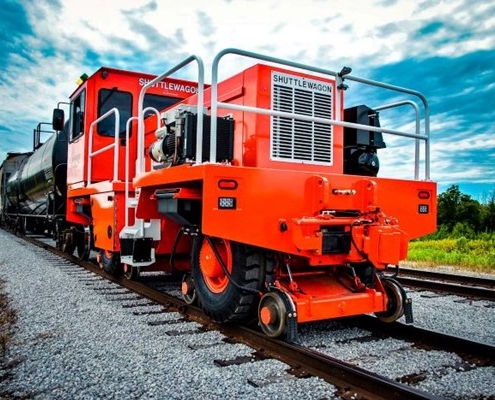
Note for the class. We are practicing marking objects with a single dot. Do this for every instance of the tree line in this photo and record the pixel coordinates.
(461, 215)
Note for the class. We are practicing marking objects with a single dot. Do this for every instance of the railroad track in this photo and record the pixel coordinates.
(463, 285)
(352, 381)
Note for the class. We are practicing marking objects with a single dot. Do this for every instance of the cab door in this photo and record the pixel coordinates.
(77, 149)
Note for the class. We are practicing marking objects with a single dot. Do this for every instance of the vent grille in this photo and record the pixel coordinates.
(295, 140)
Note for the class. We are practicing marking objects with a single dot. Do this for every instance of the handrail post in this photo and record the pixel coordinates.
(126, 191)
(200, 94)
(127, 161)
(90, 155)
(140, 164)
(418, 128)
(412, 93)
(115, 144)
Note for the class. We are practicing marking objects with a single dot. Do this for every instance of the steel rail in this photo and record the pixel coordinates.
(339, 373)
(346, 377)
(425, 337)
(464, 285)
(448, 277)
(452, 288)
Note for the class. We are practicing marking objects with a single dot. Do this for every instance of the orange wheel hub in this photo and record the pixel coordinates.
(213, 273)
(266, 315)
(185, 288)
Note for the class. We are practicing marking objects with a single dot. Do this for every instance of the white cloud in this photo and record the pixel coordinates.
(151, 35)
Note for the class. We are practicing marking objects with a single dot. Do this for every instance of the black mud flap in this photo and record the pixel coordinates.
(408, 311)
(291, 333)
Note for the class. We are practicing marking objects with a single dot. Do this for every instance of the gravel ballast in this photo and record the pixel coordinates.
(82, 338)
(75, 342)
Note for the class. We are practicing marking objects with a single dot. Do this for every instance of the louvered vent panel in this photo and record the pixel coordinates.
(295, 140)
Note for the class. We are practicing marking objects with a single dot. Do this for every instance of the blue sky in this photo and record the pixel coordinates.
(443, 49)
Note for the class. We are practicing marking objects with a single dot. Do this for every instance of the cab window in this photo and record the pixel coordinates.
(77, 107)
(158, 102)
(113, 98)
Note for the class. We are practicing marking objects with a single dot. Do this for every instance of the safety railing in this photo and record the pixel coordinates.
(201, 83)
(418, 128)
(138, 229)
(339, 78)
(127, 160)
(37, 134)
(114, 145)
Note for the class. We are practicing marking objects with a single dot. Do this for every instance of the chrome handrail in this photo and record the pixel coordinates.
(114, 145)
(215, 104)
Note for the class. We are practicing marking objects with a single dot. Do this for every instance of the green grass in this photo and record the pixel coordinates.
(473, 254)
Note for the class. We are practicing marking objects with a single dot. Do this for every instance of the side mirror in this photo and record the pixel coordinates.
(58, 119)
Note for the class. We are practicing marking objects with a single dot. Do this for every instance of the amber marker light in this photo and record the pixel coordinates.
(82, 79)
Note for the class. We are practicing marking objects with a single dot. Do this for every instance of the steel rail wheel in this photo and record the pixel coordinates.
(68, 242)
(188, 290)
(83, 243)
(395, 304)
(76, 239)
(110, 262)
(272, 313)
(131, 273)
(227, 278)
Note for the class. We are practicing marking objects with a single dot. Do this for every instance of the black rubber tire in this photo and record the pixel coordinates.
(232, 304)
(110, 262)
